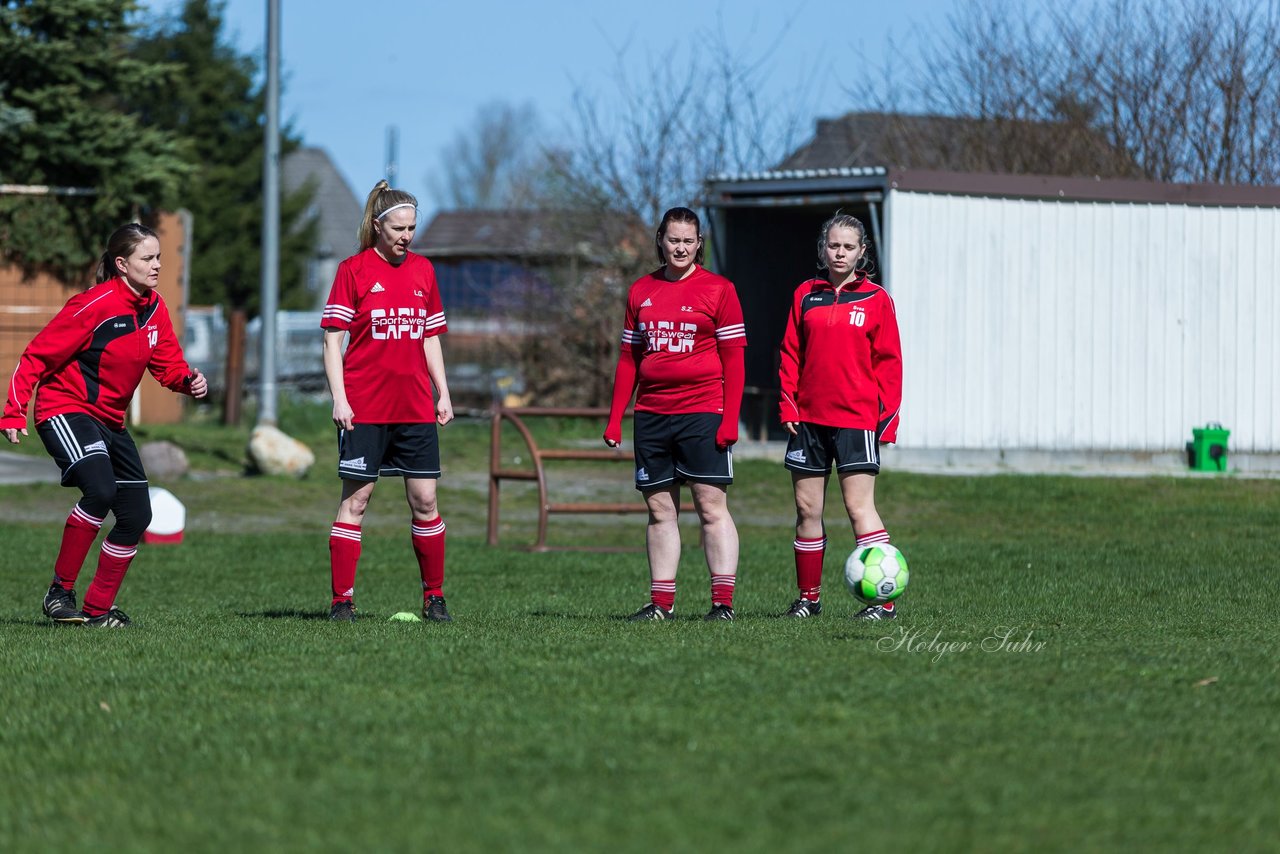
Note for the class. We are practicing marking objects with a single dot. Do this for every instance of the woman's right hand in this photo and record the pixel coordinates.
(792, 427)
(342, 415)
(11, 433)
(613, 435)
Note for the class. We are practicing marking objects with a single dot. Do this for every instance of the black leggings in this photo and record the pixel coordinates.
(131, 503)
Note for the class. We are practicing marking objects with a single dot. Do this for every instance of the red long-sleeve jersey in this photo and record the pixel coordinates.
(841, 358)
(678, 329)
(91, 356)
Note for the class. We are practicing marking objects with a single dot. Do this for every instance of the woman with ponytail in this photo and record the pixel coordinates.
(840, 371)
(386, 306)
(88, 363)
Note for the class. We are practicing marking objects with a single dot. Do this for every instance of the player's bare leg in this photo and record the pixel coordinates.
(811, 491)
(355, 501)
(662, 541)
(344, 547)
(427, 533)
(719, 533)
(859, 491)
(720, 544)
(662, 537)
(810, 543)
(421, 494)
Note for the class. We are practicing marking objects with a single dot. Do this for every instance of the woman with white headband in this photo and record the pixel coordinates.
(386, 299)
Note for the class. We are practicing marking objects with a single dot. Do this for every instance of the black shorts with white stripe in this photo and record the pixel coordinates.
(814, 447)
(679, 449)
(75, 437)
(396, 450)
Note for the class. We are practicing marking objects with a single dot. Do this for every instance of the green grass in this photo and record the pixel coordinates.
(232, 716)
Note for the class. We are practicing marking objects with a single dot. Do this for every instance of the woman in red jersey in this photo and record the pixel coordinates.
(841, 380)
(385, 298)
(88, 363)
(682, 353)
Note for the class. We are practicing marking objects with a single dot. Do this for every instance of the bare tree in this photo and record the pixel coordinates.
(639, 143)
(642, 145)
(1170, 90)
(651, 141)
(494, 162)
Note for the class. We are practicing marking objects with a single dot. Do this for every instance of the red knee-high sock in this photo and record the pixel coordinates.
(872, 538)
(428, 546)
(113, 563)
(809, 554)
(344, 554)
(722, 589)
(78, 535)
(663, 594)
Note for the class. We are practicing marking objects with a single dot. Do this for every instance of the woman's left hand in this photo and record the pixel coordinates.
(444, 410)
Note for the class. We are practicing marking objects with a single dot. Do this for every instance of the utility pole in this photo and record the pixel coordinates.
(393, 154)
(270, 221)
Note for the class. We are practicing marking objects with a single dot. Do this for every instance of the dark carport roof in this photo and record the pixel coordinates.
(821, 186)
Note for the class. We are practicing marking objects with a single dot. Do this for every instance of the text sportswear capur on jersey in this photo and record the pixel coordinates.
(388, 310)
(678, 328)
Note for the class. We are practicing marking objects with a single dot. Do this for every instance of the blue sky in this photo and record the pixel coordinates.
(353, 69)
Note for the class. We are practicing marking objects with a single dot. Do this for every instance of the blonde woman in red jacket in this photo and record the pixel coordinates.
(841, 379)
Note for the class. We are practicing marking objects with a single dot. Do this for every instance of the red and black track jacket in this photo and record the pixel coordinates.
(841, 359)
(91, 356)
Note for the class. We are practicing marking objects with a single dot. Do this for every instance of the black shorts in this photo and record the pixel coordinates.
(75, 437)
(401, 450)
(679, 449)
(814, 447)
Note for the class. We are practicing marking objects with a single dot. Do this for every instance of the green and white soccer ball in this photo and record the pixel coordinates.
(876, 574)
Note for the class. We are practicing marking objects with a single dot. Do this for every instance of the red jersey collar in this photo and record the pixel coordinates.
(825, 284)
(130, 296)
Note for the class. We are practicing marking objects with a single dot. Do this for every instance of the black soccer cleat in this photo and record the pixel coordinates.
(803, 608)
(113, 619)
(343, 612)
(652, 612)
(60, 606)
(434, 611)
(876, 612)
(719, 612)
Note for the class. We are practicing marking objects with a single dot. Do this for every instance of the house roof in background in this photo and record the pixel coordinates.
(333, 203)
(870, 139)
(960, 144)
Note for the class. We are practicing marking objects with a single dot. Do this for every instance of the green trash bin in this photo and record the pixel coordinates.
(1207, 451)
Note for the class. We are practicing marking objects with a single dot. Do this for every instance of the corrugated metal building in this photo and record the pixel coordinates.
(1057, 314)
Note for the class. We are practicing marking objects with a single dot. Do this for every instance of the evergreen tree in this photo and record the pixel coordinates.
(65, 74)
(212, 101)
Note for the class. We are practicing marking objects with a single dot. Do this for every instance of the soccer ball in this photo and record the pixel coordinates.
(876, 574)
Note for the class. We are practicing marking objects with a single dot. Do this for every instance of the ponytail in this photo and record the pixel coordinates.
(381, 200)
(121, 244)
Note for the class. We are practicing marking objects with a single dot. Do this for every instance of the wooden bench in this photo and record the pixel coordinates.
(516, 417)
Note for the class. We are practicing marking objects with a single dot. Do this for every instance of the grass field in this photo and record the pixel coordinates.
(1132, 705)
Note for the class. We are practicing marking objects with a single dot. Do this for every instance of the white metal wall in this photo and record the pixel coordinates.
(1085, 326)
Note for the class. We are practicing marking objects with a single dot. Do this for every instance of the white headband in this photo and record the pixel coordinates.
(394, 207)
